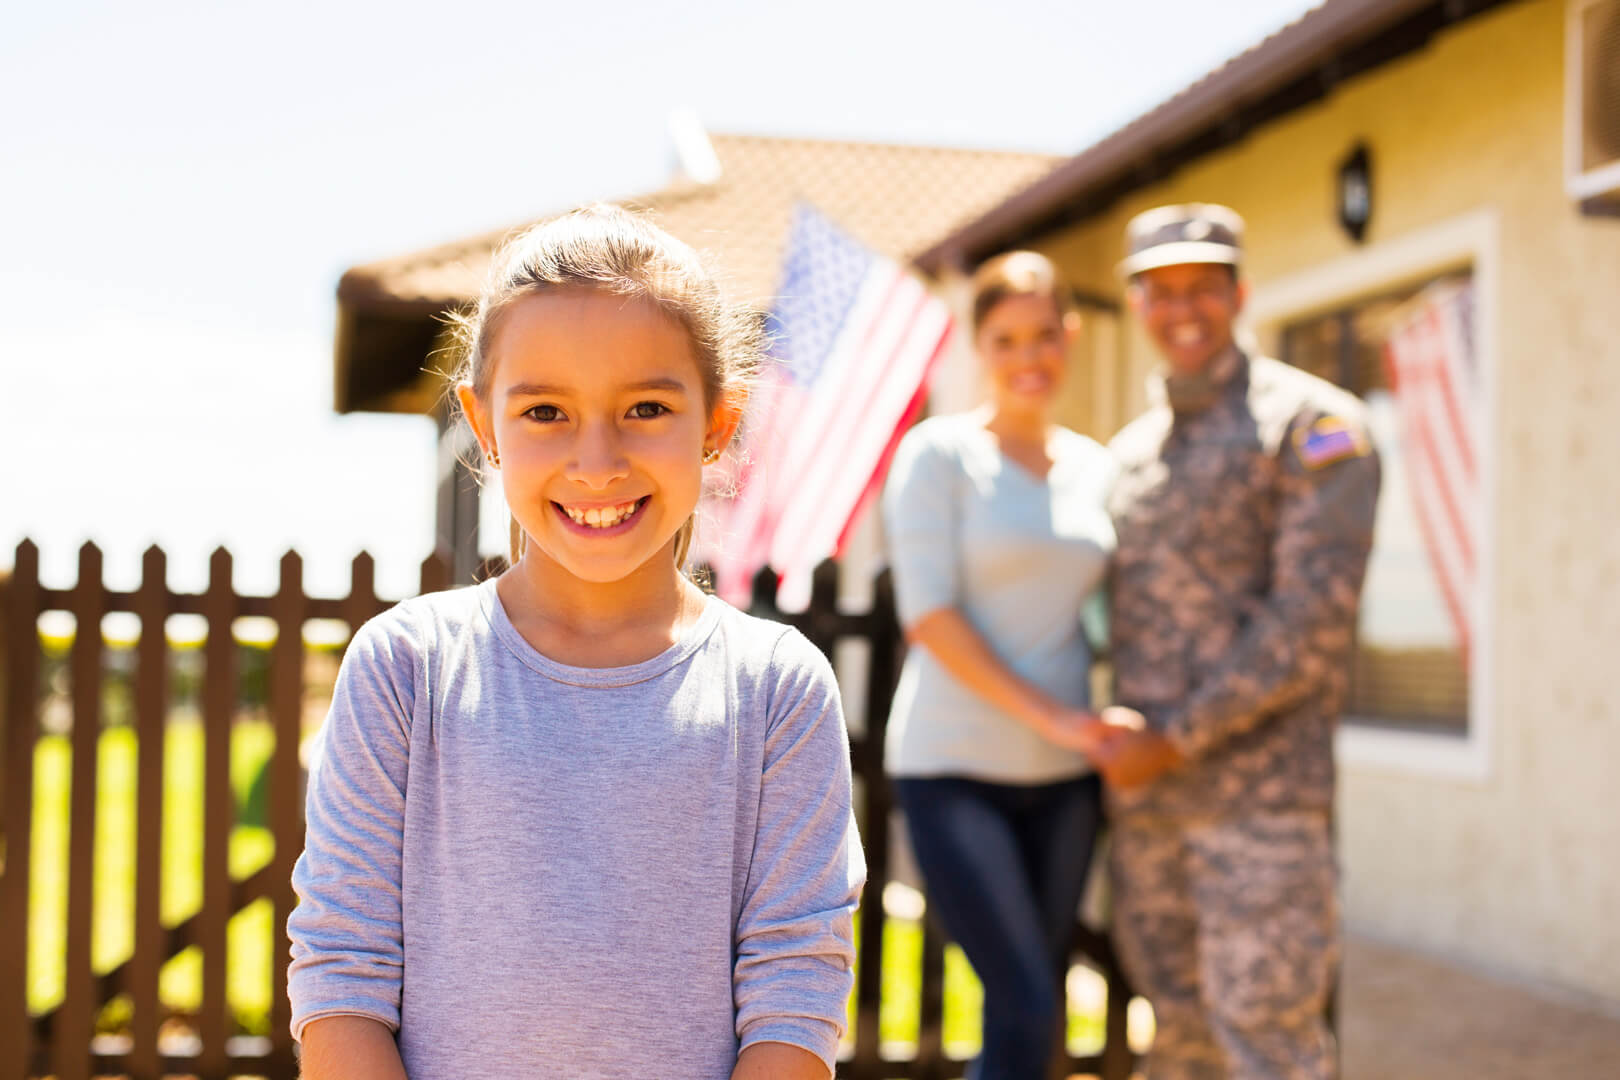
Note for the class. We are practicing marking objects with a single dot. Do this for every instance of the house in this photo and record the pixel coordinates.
(1375, 148)
(895, 199)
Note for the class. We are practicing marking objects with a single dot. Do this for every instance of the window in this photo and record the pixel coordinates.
(1410, 669)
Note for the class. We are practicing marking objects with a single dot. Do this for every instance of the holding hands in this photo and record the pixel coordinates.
(1118, 741)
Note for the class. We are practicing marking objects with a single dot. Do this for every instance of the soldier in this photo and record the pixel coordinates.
(1244, 511)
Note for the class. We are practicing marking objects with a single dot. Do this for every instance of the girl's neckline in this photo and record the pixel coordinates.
(689, 642)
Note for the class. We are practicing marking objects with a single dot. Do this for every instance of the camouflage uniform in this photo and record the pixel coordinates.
(1244, 511)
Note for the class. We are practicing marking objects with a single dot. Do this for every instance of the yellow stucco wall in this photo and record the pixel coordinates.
(1518, 872)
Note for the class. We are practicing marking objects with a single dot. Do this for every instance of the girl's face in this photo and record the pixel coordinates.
(1023, 342)
(596, 410)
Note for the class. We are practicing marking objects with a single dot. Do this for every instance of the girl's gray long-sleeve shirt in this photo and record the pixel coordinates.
(526, 868)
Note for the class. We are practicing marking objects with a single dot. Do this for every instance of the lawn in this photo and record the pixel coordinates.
(249, 959)
(112, 933)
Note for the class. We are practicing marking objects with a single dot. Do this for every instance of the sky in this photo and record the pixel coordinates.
(182, 184)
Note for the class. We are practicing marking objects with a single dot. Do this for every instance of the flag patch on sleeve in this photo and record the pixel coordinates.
(1328, 440)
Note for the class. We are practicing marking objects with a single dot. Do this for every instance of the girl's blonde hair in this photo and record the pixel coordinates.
(609, 248)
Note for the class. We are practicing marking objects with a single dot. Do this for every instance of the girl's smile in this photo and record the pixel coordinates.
(597, 410)
(607, 520)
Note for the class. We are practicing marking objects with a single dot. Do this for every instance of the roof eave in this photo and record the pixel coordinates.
(1321, 49)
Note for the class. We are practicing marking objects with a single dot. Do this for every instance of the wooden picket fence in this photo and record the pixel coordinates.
(64, 1042)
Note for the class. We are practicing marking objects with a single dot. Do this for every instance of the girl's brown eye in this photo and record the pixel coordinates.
(648, 410)
(544, 413)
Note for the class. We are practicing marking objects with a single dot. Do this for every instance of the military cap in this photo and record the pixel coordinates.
(1188, 233)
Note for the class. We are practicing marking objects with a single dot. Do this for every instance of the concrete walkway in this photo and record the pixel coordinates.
(1405, 1017)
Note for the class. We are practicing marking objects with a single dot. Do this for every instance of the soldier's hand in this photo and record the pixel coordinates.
(1133, 758)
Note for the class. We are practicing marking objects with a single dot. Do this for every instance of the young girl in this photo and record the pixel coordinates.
(582, 820)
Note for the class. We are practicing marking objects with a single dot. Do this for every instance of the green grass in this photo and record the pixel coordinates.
(248, 948)
(900, 1008)
(249, 944)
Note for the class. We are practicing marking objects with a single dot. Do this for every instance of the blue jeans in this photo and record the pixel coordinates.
(1004, 866)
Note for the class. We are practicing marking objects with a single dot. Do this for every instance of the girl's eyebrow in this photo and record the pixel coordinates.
(668, 385)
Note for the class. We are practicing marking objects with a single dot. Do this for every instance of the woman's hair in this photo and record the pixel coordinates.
(609, 248)
(1017, 273)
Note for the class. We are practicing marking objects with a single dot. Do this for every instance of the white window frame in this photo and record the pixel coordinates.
(1471, 240)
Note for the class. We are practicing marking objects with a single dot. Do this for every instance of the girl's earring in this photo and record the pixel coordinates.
(711, 456)
(494, 459)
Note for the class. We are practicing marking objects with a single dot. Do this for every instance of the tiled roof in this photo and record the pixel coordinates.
(896, 199)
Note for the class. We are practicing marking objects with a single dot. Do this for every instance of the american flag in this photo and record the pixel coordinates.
(1432, 367)
(855, 337)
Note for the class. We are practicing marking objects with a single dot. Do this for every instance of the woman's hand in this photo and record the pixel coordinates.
(1130, 754)
(1076, 729)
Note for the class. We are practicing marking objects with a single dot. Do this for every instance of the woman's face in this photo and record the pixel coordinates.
(1023, 342)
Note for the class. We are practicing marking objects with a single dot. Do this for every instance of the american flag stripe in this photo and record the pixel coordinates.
(914, 409)
(858, 337)
(1448, 340)
(854, 450)
(905, 337)
(1443, 496)
(1453, 585)
(1428, 352)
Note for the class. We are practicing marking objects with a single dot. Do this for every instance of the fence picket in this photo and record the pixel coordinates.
(362, 603)
(76, 1018)
(436, 572)
(219, 810)
(931, 1006)
(151, 704)
(21, 731)
(286, 780)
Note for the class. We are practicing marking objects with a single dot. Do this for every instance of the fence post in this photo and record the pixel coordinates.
(876, 808)
(435, 574)
(75, 1019)
(151, 706)
(286, 780)
(219, 810)
(21, 725)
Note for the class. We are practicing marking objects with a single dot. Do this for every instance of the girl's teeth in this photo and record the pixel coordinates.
(599, 517)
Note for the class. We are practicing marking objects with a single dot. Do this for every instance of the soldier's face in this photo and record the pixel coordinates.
(1188, 311)
(1023, 342)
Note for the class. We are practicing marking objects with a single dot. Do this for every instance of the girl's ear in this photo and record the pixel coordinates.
(473, 410)
(724, 420)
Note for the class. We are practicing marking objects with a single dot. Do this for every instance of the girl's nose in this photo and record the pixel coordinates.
(599, 460)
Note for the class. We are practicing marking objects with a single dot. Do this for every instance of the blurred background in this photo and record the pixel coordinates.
(228, 235)
(186, 182)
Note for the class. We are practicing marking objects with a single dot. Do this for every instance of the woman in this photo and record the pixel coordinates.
(998, 537)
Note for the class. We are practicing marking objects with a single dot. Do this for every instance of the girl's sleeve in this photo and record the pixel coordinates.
(347, 942)
(919, 520)
(795, 930)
